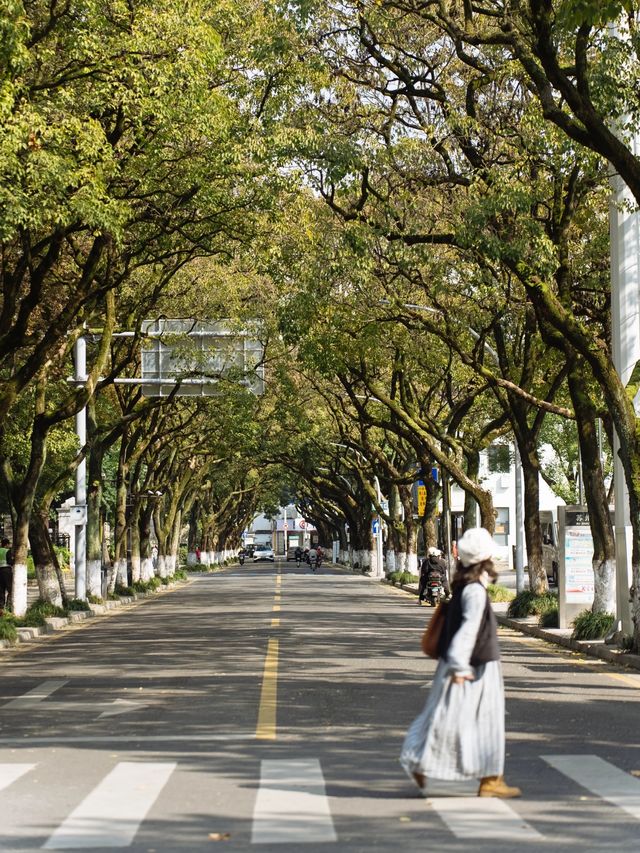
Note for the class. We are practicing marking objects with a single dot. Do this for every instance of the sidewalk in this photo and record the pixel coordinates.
(557, 636)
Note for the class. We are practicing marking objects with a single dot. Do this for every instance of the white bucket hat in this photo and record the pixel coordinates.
(475, 545)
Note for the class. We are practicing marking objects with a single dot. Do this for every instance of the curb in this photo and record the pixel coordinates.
(55, 624)
(591, 648)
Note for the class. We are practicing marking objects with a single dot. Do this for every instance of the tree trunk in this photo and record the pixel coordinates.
(50, 584)
(604, 557)
(94, 520)
(470, 503)
(533, 534)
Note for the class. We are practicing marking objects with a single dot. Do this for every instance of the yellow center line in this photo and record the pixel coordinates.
(276, 607)
(275, 622)
(266, 727)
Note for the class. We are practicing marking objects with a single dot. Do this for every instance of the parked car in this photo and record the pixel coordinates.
(263, 552)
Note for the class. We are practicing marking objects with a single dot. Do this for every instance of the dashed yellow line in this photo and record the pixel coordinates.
(275, 622)
(266, 727)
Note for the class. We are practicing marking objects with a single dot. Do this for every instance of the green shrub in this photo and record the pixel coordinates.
(528, 603)
(497, 592)
(94, 599)
(64, 556)
(154, 583)
(408, 577)
(8, 630)
(180, 575)
(182, 555)
(550, 618)
(77, 604)
(394, 577)
(592, 626)
(165, 581)
(38, 612)
(123, 590)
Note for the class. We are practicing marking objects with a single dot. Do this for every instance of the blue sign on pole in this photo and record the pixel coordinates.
(434, 474)
(375, 526)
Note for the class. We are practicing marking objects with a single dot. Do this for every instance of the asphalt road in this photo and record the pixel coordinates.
(268, 713)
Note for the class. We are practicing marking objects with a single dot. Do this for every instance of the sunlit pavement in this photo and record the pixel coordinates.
(258, 711)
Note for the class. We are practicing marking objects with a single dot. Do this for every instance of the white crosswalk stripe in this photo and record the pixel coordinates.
(483, 819)
(292, 804)
(111, 814)
(601, 778)
(10, 772)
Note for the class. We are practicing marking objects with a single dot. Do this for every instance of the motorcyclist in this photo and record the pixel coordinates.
(313, 558)
(241, 556)
(433, 566)
(319, 555)
(298, 555)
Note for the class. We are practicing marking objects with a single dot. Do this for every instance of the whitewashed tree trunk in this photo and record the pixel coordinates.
(94, 578)
(161, 565)
(136, 568)
(192, 560)
(19, 594)
(146, 568)
(604, 597)
(172, 562)
(48, 584)
(391, 560)
(401, 561)
(122, 575)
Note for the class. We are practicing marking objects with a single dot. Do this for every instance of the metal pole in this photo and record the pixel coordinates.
(446, 519)
(81, 480)
(379, 556)
(519, 561)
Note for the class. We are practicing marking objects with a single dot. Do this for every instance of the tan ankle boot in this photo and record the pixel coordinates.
(495, 786)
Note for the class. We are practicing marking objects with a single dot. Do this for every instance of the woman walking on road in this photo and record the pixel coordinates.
(460, 732)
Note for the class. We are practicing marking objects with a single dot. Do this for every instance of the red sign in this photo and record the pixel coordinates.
(302, 523)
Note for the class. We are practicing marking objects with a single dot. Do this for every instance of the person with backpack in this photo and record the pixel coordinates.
(433, 566)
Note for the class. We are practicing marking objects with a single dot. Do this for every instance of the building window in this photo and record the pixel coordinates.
(501, 535)
(499, 458)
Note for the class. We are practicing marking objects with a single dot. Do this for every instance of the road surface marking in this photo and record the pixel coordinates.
(275, 622)
(10, 772)
(482, 817)
(601, 778)
(292, 804)
(111, 814)
(35, 696)
(266, 727)
(133, 738)
(276, 608)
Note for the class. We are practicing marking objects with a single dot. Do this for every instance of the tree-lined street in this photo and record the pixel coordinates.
(269, 704)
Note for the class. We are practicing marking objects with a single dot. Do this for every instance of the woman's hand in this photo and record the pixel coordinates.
(460, 679)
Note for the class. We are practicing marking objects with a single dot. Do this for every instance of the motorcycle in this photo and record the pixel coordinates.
(313, 561)
(435, 589)
(241, 558)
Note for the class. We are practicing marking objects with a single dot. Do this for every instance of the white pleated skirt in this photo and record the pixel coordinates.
(460, 732)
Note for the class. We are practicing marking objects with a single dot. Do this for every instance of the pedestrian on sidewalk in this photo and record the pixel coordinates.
(460, 732)
(6, 574)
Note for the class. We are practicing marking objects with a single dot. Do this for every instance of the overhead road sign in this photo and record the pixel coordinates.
(197, 355)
